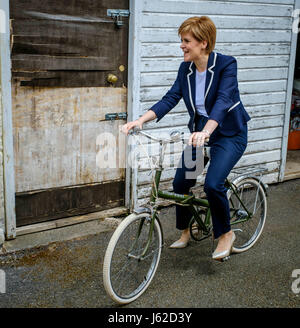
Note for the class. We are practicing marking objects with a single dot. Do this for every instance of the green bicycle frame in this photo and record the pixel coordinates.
(185, 200)
(249, 214)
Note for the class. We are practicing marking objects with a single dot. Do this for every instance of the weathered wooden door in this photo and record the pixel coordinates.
(62, 54)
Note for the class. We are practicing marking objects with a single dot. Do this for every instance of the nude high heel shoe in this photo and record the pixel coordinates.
(221, 255)
(179, 244)
(182, 243)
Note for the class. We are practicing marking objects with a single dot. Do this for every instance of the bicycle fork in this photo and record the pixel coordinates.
(150, 233)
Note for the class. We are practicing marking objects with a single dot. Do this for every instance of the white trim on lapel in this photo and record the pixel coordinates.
(189, 84)
(233, 106)
(212, 74)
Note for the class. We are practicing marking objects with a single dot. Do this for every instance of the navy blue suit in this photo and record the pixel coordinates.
(229, 140)
(222, 97)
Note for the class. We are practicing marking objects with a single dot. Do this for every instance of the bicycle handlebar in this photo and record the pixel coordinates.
(176, 136)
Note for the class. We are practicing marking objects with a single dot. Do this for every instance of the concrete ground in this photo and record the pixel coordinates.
(69, 273)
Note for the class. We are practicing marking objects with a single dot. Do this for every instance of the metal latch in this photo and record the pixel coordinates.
(117, 15)
(115, 116)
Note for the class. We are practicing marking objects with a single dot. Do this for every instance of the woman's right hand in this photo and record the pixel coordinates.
(130, 125)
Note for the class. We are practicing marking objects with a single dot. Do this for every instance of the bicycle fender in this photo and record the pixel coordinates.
(140, 210)
(263, 184)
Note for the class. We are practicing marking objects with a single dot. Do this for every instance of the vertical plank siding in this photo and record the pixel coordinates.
(258, 33)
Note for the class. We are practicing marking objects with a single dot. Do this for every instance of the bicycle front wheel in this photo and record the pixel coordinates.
(250, 195)
(127, 272)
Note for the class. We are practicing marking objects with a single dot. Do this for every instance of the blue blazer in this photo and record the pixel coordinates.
(222, 97)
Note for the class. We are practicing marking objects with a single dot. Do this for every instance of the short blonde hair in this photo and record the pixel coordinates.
(202, 28)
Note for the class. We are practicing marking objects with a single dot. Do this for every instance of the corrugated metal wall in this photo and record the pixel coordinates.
(258, 33)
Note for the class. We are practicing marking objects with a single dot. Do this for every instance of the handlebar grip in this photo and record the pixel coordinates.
(134, 130)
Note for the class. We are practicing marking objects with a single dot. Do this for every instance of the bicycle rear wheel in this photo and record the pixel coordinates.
(126, 273)
(247, 228)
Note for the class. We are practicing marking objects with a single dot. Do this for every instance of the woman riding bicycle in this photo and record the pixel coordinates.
(207, 82)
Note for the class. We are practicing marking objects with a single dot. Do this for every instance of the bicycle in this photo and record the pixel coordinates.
(134, 250)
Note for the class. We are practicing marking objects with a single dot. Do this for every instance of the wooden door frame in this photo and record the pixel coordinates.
(7, 127)
(133, 95)
(9, 189)
(288, 102)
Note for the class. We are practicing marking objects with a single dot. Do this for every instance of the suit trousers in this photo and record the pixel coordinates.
(225, 152)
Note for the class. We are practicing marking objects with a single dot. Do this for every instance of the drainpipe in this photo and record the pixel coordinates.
(289, 89)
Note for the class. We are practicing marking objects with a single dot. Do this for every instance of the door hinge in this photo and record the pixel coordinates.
(117, 15)
(115, 116)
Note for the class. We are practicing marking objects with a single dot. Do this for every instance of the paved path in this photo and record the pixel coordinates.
(69, 274)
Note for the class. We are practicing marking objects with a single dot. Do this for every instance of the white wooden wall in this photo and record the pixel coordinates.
(257, 32)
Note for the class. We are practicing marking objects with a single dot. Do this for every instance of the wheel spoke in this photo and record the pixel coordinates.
(126, 277)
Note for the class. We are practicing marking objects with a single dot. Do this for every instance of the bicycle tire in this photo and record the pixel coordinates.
(248, 232)
(120, 256)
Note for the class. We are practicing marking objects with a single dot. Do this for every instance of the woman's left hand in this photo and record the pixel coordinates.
(197, 139)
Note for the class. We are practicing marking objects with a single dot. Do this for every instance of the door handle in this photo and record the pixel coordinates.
(111, 78)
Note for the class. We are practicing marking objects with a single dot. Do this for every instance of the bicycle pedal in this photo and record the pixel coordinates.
(240, 230)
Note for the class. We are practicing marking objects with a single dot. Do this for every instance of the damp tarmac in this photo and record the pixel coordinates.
(68, 274)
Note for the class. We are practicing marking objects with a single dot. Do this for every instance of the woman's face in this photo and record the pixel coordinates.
(192, 48)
